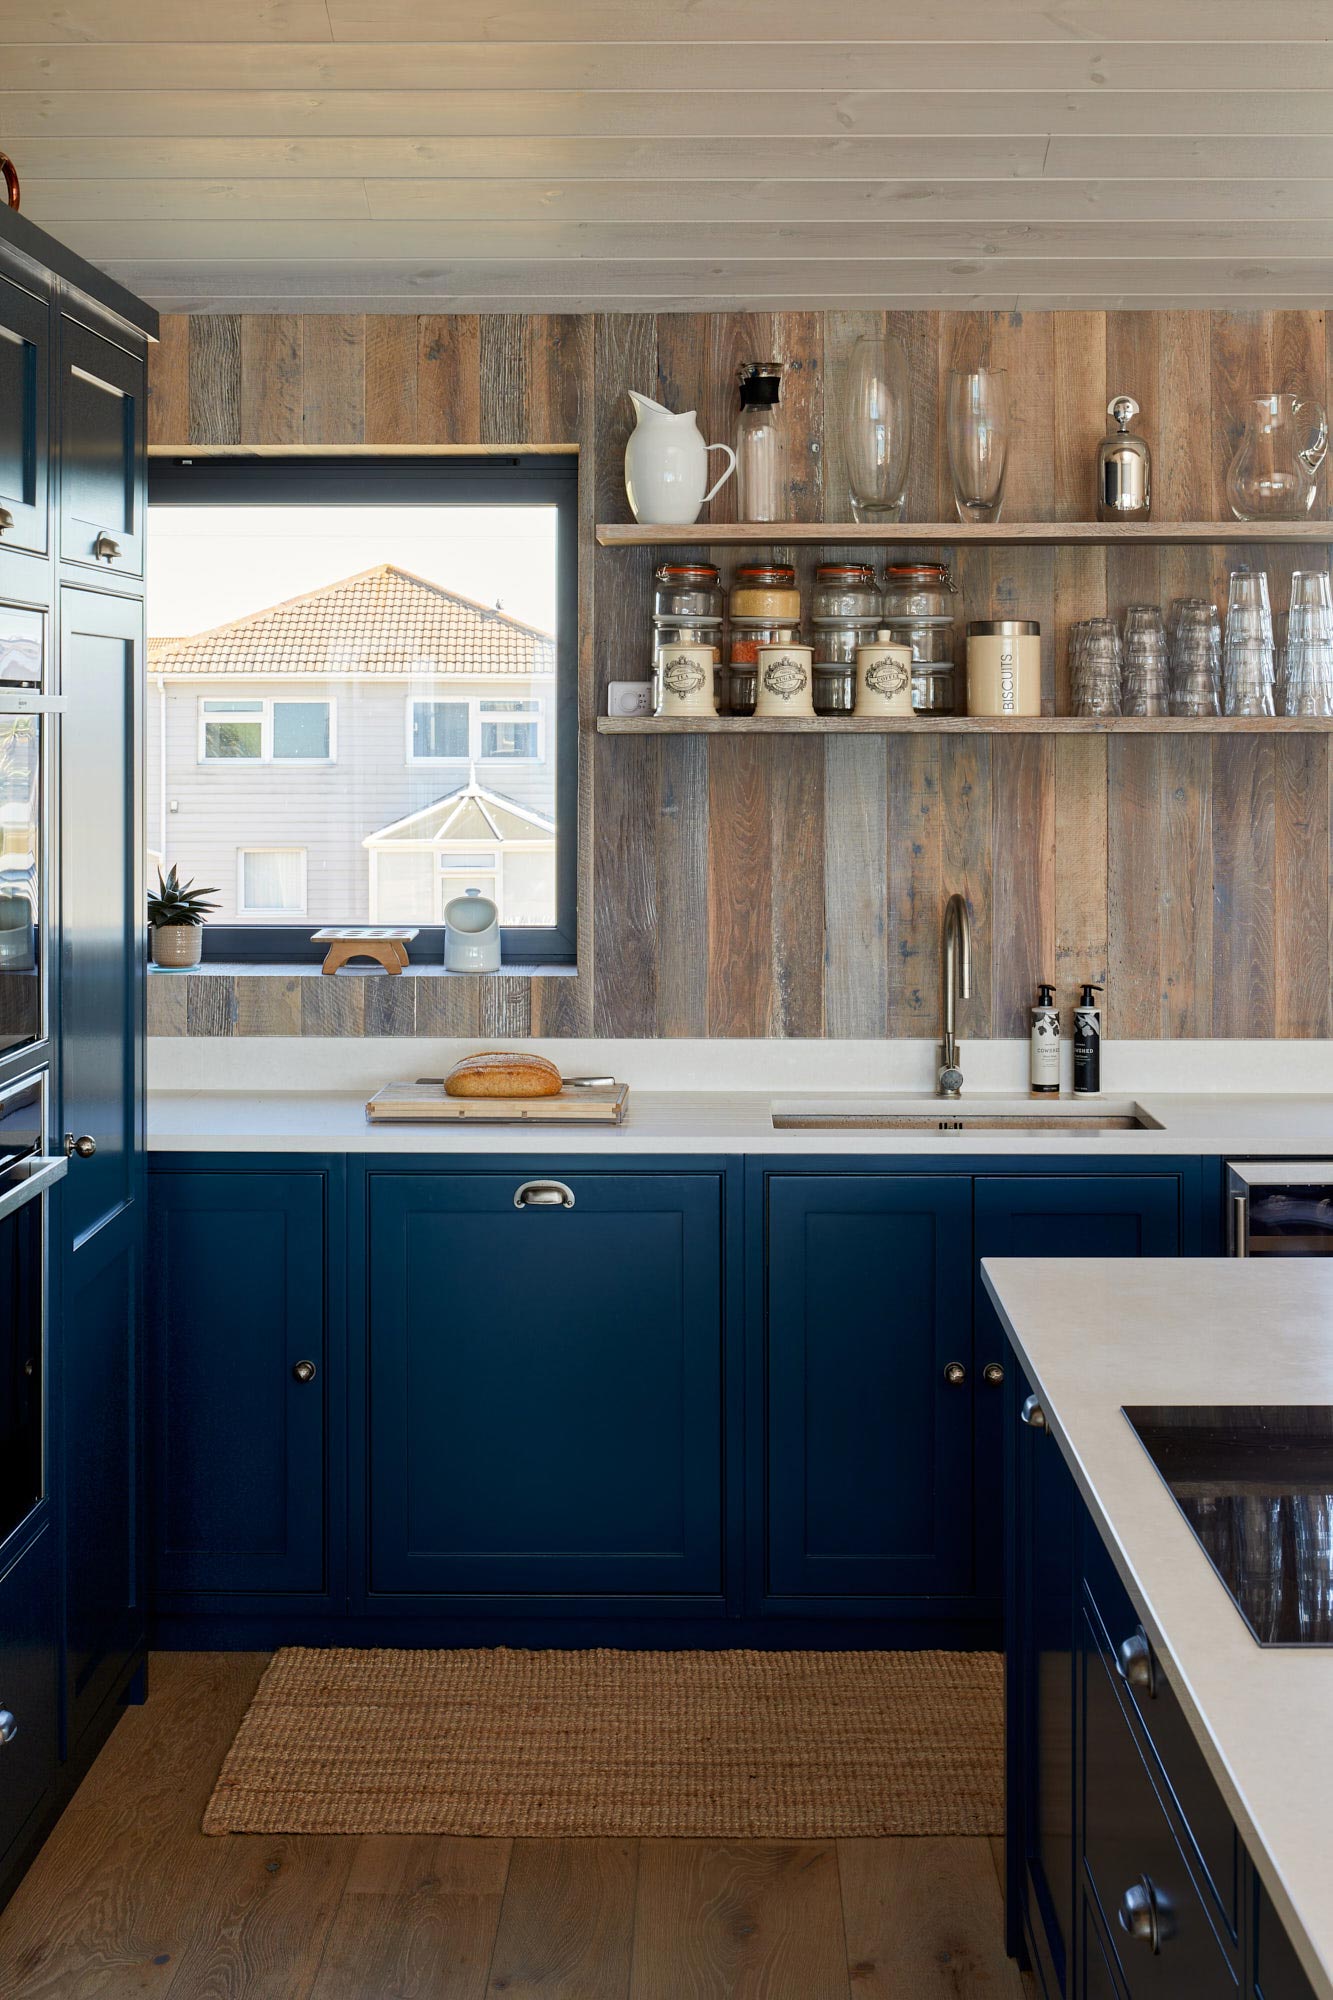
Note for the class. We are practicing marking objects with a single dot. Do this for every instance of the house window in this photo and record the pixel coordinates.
(481, 729)
(265, 732)
(272, 881)
(356, 666)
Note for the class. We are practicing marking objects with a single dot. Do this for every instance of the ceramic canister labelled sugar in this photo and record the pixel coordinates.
(683, 680)
(883, 677)
(785, 681)
(1004, 667)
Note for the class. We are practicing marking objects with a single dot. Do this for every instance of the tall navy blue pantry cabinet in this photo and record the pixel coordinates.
(73, 349)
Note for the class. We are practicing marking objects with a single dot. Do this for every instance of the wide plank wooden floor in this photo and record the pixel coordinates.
(129, 1898)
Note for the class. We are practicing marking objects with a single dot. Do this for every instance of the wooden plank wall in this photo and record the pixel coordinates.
(758, 886)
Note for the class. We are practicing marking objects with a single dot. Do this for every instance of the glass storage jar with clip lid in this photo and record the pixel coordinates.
(686, 593)
(918, 613)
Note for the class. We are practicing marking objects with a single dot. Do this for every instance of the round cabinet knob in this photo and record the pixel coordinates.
(544, 1194)
(993, 1374)
(955, 1374)
(1145, 1914)
(84, 1146)
(9, 1728)
(305, 1371)
(1135, 1664)
(1033, 1414)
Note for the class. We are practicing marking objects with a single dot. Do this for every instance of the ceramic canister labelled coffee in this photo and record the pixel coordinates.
(883, 678)
(785, 681)
(683, 681)
(1004, 667)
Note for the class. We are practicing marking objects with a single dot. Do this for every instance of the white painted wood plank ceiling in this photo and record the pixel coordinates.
(670, 154)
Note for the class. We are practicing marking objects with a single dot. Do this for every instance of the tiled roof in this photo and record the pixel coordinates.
(384, 621)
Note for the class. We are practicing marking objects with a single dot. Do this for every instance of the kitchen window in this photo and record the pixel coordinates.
(362, 686)
(271, 881)
(477, 731)
(266, 732)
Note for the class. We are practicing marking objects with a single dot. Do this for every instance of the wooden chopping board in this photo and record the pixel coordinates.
(424, 1103)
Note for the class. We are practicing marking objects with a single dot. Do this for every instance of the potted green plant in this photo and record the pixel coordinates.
(177, 914)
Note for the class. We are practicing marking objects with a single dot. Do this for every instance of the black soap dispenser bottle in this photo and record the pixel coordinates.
(1044, 1058)
(1087, 1043)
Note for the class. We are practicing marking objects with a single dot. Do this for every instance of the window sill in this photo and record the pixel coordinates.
(232, 998)
(258, 969)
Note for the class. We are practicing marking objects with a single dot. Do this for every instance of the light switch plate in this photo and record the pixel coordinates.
(629, 698)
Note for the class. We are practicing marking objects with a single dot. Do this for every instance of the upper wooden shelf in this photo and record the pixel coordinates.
(1001, 534)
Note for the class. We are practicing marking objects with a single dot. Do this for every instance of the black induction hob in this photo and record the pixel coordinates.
(1255, 1483)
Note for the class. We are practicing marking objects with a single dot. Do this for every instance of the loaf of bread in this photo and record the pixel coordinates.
(501, 1073)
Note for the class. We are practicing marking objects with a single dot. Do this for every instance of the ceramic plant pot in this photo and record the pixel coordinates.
(177, 945)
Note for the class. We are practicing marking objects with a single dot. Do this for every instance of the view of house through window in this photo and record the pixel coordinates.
(352, 702)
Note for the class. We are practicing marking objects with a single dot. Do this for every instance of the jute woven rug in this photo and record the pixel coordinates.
(728, 1745)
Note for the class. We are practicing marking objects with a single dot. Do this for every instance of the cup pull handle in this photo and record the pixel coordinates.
(544, 1194)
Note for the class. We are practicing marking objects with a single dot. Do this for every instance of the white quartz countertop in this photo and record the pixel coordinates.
(1097, 1334)
(683, 1122)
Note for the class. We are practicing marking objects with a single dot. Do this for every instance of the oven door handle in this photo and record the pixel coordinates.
(39, 1177)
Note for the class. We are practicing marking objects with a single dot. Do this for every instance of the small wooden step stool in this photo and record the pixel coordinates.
(387, 947)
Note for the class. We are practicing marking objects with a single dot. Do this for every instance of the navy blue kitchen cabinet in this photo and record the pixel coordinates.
(546, 1389)
(1043, 1506)
(868, 1422)
(29, 1689)
(101, 1201)
(240, 1381)
(1125, 1871)
(25, 367)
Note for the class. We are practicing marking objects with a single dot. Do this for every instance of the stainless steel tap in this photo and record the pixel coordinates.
(957, 968)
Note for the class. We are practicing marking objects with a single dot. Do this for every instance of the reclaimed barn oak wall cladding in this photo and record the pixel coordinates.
(764, 886)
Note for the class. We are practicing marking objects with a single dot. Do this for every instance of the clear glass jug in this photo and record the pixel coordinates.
(1272, 476)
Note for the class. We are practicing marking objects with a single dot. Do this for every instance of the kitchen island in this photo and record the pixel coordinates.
(1093, 1336)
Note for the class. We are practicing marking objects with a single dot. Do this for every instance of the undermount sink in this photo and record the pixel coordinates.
(937, 1114)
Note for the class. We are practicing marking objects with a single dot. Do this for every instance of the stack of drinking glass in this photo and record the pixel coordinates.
(1096, 662)
(1247, 646)
(1307, 655)
(1144, 686)
(1195, 635)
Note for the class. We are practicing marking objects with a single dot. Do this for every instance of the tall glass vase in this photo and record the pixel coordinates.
(977, 433)
(877, 427)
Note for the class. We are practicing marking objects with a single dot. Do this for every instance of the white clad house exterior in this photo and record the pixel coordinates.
(359, 754)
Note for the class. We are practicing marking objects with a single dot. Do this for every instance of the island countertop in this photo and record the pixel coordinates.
(1095, 1335)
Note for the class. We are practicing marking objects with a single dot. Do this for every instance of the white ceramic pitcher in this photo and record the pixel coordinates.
(666, 464)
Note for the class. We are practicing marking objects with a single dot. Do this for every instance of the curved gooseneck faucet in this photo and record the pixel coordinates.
(957, 969)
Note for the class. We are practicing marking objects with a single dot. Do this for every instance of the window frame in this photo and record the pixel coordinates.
(266, 704)
(474, 704)
(285, 847)
(495, 479)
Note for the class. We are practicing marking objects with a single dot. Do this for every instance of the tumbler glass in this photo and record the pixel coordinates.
(1096, 661)
(1306, 665)
(1195, 657)
(1247, 647)
(1144, 687)
(977, 434)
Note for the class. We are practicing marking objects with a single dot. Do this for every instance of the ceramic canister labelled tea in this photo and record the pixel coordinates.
(785, 681)
(683, 681)
(1004, 667)
(883, 677)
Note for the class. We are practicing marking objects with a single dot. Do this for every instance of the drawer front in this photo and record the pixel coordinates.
(27, 1686)
(1130, 1853)
(1278, 1971)
(1099, 1982)
(1150, 1694)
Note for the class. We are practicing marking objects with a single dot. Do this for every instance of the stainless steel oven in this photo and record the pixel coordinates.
(27, 1175)
(27, 718)
(1280, 1208)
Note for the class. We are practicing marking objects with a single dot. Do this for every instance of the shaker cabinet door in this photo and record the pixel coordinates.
(546, 1386)
(868, 1460)
(102, 429)
(24, 404)
(239, 1380)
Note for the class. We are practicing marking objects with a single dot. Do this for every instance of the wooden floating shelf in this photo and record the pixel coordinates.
(962, 725)
(1001, 534)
